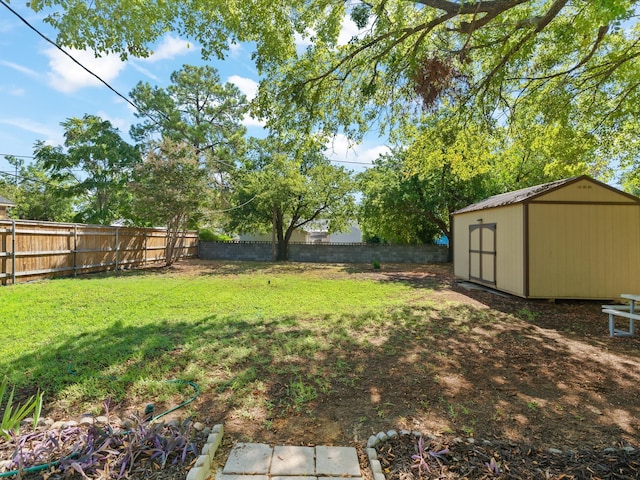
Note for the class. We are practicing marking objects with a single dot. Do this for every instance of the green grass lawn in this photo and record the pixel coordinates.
(320, 353)
(120, 336)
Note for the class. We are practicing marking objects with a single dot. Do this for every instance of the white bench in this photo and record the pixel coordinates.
(623, 311)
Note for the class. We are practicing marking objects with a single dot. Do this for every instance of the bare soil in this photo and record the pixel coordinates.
(544, 373)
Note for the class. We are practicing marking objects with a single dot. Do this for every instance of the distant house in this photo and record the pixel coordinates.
(5, 204)
(576, 238)
(320, 234)
(317, 233)
(298, 236)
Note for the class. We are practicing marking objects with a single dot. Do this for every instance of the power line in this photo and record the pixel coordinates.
(16, 156)
(26, 179)
(43, 36)
(104, 82)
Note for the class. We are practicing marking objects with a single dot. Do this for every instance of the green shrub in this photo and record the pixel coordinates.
(208, 235)
(376, 264)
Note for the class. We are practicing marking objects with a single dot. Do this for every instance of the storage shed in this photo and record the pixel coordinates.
(576, 238)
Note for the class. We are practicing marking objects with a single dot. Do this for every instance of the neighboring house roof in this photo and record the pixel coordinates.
(6, 203)
(529, 193)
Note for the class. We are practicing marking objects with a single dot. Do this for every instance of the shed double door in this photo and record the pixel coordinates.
(482, 253)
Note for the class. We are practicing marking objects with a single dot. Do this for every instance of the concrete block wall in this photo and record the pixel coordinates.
(325, 253)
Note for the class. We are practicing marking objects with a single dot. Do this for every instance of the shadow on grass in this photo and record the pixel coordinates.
(453, 368)
(116, 351)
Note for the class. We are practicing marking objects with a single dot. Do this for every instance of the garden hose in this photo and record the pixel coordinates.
(148, 410)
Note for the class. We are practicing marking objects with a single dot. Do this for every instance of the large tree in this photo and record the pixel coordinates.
(170, 190)
(94, 166)
(491, 49)
(36, 195)
(287, 183)
(195, 108)
(401, 206)
(485, 57)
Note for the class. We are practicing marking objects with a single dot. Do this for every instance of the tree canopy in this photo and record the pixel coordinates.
(170, 190)
(36, 195)
(490, 53)
(94, 168)
(195, 108)
(286, 184)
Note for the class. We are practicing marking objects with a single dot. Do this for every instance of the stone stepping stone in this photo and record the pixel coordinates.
(248, 459)
(337, 461)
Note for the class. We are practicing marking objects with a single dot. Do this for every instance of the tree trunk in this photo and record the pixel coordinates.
(282, 239)
(283, 251)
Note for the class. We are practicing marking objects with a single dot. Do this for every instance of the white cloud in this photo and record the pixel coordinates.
(303, 42)
(350, 30)
(67, 76)
(120, 123)
(341, 149)
(249, 121)
(235, 49)
(246, 85)
(13, 91)
(19, 68)
(170, 47)
(52, 136)
(368, 155)
(143, 71)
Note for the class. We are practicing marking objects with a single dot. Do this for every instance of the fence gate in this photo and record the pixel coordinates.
(482, 253)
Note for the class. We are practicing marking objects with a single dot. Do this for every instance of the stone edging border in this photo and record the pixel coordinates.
(201, 470)
(374, 440)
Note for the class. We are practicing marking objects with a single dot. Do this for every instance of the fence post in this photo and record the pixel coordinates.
(117, 247)
(3, 261)
(144, 250)
(13, 252)
(75, 250)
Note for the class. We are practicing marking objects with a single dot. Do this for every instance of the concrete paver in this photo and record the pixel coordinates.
(293, 461)
(295, 478)
(257, 461)
(337, 461)
(223, 476)
(249, 458)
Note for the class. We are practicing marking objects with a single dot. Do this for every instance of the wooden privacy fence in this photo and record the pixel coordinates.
(31, 250)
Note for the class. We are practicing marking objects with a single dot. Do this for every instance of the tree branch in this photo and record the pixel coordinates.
(494, 7)
(542, 23)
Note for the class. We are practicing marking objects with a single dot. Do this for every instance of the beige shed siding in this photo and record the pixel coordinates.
(584, 251)
(509, 222)
(584, 191)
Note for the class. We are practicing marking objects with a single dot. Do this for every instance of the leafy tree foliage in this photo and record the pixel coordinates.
(93, 168)
(170, 189)
(445, 164)
(287, 183)
(197, 109)
(36, 195)
(489, 54)
(401, 205)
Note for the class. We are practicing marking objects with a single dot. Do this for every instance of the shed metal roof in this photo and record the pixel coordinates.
(6, 202)
(529, 193)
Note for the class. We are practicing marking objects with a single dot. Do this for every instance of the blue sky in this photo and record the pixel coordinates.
(40, 87)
